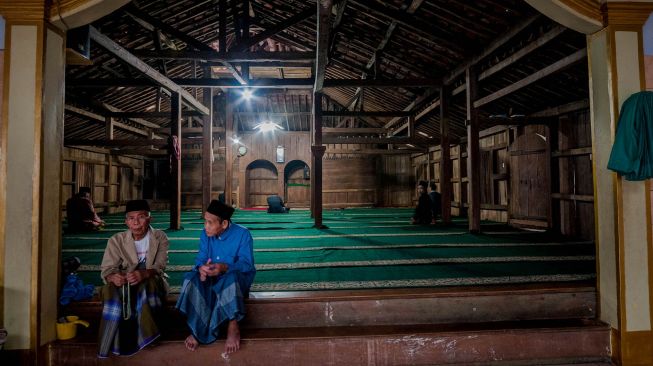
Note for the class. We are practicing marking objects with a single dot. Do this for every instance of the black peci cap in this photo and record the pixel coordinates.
(220, 210)
(137, 205)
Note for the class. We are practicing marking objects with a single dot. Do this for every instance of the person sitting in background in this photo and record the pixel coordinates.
(80, 212)
(436, 201)
(135, 287)
(276, 205)
(422, 214)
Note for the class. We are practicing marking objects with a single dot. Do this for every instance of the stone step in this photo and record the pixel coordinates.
(399, 306)
(538, 342)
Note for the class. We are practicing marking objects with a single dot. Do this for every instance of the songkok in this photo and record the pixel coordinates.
(83, 190)
(137, 205)
(220, 210)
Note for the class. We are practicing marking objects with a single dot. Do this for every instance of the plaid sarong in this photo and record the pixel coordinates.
(210, 304)
(127, 336)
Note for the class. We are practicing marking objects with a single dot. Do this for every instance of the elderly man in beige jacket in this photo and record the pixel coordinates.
(132, 269)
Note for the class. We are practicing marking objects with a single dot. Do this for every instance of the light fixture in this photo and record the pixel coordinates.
(267, 126)
(235, 139)
(247, 94)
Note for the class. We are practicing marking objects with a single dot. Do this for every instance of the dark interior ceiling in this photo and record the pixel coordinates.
(526, 62)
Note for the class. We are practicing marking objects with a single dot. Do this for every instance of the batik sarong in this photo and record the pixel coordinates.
(210, 304)
(126, 328)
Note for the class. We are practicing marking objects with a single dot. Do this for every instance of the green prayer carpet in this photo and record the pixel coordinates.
(363, 248)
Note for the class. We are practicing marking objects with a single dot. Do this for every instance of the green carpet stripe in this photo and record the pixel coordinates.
(359, 247)
(339, 285)
(302, 236)
(372, 263)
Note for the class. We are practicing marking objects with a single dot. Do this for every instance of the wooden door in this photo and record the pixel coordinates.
(528, 181)
(261, 183)
(298, 189)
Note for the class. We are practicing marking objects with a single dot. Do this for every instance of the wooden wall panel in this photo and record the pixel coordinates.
(397, 184)
(575, 176)
(298, 189)
(349, 182)
(90, 168)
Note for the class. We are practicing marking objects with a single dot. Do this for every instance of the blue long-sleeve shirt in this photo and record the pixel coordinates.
(234, 247)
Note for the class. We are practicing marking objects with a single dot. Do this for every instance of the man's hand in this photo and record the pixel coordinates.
(117, 279)
(211, 269)
(137, 276)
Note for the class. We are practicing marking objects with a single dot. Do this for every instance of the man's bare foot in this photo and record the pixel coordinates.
(191, 343)
(233, 338)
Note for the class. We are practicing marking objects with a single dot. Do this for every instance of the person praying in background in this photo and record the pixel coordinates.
(276, 205)
(135, 290)
(212, 294)
(422, 215)
(436, 202)
(80, 212)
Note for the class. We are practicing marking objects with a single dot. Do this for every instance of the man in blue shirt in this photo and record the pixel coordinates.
(213, 293)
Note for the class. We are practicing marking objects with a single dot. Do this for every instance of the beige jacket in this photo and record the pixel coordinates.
(120, 254)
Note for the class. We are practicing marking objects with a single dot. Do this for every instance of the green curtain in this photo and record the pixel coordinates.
(632, 151)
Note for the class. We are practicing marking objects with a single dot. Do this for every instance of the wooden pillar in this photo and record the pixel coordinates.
(553, 180)
(229, 150)
(622, 208)
(31, 135)
(473, 153)
(175, 161)
(207, 147)
(109, 174)
(411, 125)
(222, 26)
(445, 156)
(318, 152)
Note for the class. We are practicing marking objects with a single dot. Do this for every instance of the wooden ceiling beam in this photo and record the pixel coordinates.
(562, 109)
(490, 48)
(117, 143)
(271, 31)
(255, 83)
(410, 22)
(359, 130)
(322, 51)
(102, 120)
(346, 113)
(192, 130)
(146, 69)
(259, 56)
(551, 69)
(373, 151)
(189, 40)
(163, 114)
(340, 11)
(516, 56)
(382, 83)
(374, 140)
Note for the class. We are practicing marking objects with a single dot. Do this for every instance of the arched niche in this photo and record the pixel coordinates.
(297, 184)
(261, 181)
